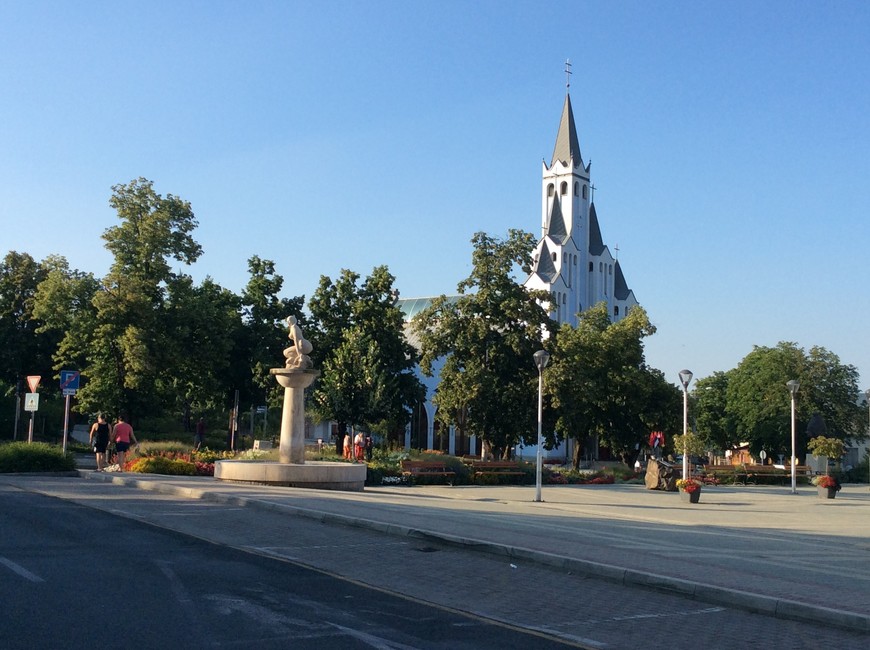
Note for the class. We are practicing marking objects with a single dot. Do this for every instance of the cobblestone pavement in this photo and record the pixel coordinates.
(762, 547)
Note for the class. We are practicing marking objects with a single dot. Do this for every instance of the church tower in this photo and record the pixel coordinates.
(571, 261)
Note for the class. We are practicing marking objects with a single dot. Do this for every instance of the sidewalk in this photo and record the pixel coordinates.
(759, 549)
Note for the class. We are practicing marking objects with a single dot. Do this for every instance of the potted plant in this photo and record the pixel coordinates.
(832, 449)
(690, 489)
(828, 486)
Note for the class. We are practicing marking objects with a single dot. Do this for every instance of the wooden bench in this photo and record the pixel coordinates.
(499, 467)
(412, 469)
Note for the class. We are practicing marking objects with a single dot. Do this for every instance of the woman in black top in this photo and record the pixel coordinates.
(100, 440)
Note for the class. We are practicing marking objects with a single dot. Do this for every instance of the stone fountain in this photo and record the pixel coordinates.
(291, 469)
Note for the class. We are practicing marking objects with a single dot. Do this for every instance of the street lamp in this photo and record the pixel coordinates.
(867, 395)
(793, 386)
(685, 378)
(541, 359)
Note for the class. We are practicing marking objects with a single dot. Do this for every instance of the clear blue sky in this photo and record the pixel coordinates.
(730, 145)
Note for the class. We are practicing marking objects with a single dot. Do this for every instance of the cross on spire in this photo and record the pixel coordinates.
(617, 251)
(591, 190)
(567, 73)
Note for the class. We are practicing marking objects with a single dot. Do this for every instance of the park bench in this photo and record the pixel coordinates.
(412, 469)
(496, 467)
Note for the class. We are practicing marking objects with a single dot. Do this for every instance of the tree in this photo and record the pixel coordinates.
(758, 401)
(601, 388)
(486, 339)
(714, 423)
(367, 363)
(131, 346)
(24, 350)
(264, 315)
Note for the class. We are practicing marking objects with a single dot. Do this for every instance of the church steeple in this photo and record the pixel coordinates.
(567, 145)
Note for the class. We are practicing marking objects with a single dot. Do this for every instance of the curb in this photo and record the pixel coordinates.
(748, 601)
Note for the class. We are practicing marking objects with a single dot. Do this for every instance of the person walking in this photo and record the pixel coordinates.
(347, 446)
(199, 438)
(369, 447)
(358, 446)
(124, 437)
(99, 439)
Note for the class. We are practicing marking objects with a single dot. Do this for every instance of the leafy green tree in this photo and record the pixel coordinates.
(265, 314)
(601, 388)
(24, 350)
(760, 403)
(367, 363)
(714, 423)
(486, 339)
(131, 346)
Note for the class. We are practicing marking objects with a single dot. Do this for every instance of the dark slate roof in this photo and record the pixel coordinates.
(544, 267)
(596, 243)
(620, 287)
(556, 225)
(567, 146)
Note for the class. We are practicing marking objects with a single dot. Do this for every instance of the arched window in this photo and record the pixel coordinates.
(616, 310)
(576, 189)
(550, 190)
(610, 269)
(591, 267)
(564, 188)
(584, 190)
(554, 257)
(601, 267)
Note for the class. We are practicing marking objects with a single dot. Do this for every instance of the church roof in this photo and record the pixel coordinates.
(556, 225)
(596, 243)
(412, 306)
(567, 145)
(620, 287)
(544, 266)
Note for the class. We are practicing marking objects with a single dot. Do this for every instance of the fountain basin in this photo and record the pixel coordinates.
(318, 475)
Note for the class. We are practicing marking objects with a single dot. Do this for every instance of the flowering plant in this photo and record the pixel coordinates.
(688, 485)
(826, 482)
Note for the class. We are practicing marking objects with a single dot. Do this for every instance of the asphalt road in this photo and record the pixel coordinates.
(75, 577)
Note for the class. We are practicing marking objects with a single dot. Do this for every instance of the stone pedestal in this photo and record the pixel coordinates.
(292, 449)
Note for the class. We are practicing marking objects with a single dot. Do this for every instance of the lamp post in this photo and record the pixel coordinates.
(867, 395)
(793, 386)
(541, 359)
(685, 378)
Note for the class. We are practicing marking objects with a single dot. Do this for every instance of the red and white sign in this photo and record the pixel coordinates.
(33, 382)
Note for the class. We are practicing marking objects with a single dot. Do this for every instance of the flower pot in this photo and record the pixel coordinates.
(827, 492)
(691, 497)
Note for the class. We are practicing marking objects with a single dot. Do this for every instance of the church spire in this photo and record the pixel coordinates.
(567, 147)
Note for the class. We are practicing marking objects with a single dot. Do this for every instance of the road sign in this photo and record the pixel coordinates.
(33, 382)
(69, 380)
(31, 401)
(69, 391)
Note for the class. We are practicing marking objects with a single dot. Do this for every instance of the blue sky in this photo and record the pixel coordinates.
(729, 145)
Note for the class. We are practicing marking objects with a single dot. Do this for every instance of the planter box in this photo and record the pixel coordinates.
(826, 493)
(691, 497)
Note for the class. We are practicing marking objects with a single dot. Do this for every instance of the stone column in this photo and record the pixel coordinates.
(292, 449)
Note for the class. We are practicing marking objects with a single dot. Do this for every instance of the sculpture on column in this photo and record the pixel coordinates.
(297, 354)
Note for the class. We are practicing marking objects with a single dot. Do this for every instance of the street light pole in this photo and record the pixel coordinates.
(541, 359)
(793, 386)
(867, 395)
(685, 378)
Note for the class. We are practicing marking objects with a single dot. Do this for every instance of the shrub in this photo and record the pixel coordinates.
(162, 465)
(34, 457)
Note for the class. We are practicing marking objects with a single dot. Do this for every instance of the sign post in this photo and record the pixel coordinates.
(31, 403)
(69, 384)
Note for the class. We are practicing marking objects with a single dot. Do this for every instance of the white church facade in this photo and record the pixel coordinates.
(571, 262)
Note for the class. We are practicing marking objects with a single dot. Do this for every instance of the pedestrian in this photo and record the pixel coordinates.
(100, 440)
(347, 446)
(124, 437)
(358, 446)
(199, 438)
(369, 447)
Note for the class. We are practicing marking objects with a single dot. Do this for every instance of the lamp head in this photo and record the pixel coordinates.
(793, 386)
(685, 378)
(542, 357)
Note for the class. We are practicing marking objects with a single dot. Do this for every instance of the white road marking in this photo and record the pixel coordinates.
(20, 570)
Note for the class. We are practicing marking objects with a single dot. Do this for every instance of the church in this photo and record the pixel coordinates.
(571, 262)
